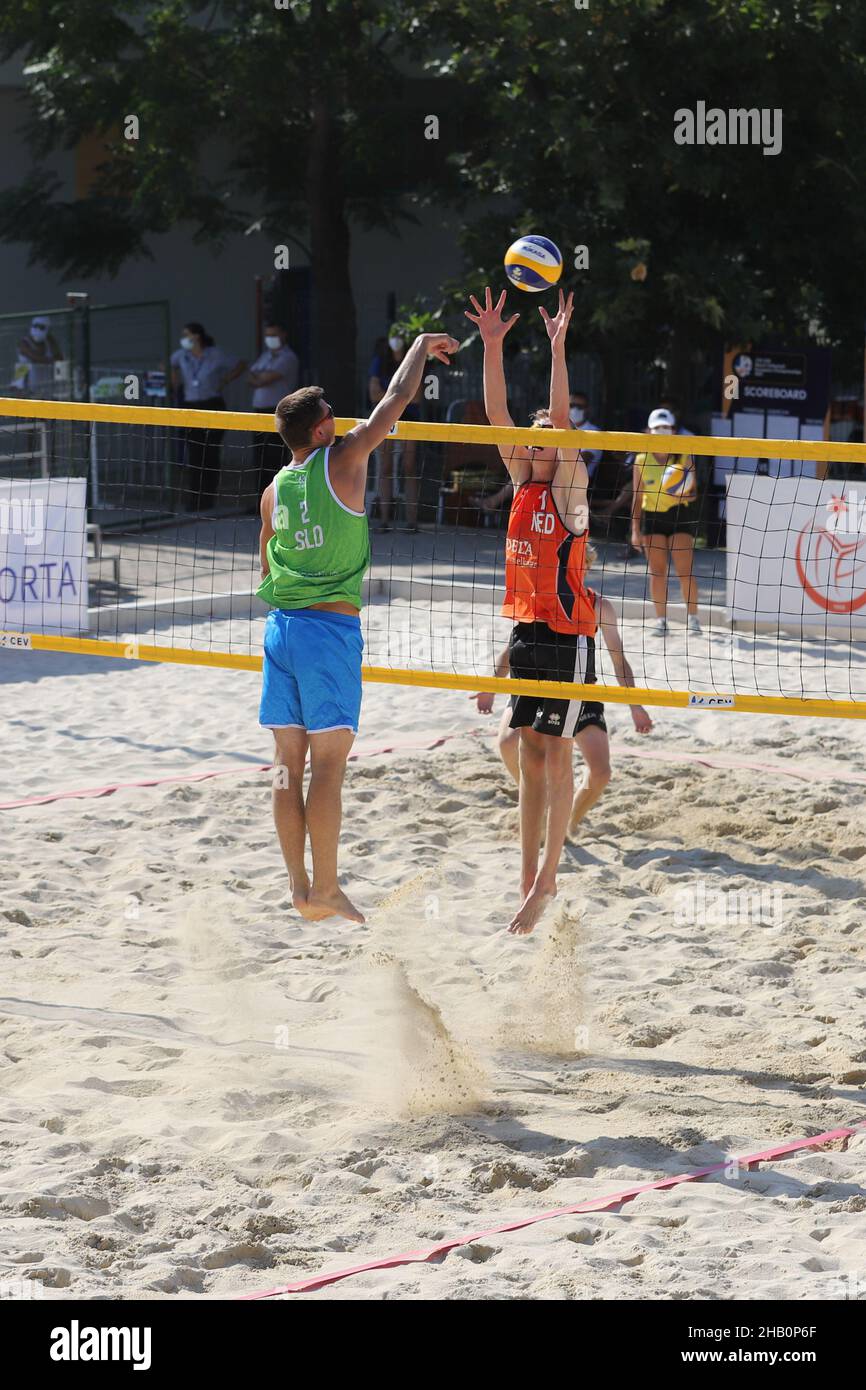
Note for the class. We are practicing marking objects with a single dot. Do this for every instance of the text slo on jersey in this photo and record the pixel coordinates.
(311, 537)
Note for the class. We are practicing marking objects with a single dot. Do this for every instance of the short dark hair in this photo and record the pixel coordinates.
(200, 332)
(298, 414)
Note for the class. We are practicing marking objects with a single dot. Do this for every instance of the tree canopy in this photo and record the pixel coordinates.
(554, 119)
(687, 244)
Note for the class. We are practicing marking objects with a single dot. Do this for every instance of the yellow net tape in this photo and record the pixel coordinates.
(826, 451)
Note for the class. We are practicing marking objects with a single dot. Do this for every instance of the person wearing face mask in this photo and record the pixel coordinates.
(578, 418)
(203, 370)
(394, 451)
(665, 521)
(578, 413)
(273, 375)
(38, 350)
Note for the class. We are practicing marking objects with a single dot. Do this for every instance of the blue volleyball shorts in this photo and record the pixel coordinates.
(312, 670)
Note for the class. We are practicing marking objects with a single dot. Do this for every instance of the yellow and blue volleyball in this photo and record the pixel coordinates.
(678, 479)
(533, 263)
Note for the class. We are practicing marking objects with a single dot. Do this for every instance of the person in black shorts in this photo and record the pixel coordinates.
(584, 717)
(665, 522)
(536, 653)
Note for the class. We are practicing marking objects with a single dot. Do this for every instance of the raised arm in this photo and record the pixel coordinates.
(348, 459)
(493, 328)
(557, 329)
(571, 478)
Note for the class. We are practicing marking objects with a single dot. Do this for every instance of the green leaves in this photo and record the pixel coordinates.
(728, 237)
(552, 119)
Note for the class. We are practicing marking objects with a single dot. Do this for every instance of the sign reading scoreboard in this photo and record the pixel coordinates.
(43, 555)
(794, 382)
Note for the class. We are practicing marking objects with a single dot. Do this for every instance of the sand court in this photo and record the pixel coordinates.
(204, 1097)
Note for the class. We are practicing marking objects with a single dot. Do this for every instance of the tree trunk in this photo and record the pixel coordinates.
(334, 325)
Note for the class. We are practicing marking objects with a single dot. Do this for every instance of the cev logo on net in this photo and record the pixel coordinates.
(846, 516)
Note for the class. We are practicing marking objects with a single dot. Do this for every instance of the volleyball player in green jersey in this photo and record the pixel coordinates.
(315, 551)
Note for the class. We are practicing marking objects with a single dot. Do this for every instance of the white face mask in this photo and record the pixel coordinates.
(577, 415)
(38, 334)
(187, 343)
(272, 342)
(395, 344)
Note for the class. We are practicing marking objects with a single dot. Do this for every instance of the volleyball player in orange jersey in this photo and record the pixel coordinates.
(553, 638)
(591, 727)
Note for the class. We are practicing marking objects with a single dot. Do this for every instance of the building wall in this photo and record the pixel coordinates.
(218, 288)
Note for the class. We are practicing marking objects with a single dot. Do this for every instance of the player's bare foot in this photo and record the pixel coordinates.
(527, 883)
(527, 918)
(332, 904)
(300, 897)
(301, 902)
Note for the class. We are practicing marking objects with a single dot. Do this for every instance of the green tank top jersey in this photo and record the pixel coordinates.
(320, 549)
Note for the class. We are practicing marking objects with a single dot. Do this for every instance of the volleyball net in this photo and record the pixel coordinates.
(132, 531)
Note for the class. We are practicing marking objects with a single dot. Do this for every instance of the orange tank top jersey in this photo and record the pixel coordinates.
(544, 564)
(593, 601)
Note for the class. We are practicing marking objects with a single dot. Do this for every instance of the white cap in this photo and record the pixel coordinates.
(661, 419)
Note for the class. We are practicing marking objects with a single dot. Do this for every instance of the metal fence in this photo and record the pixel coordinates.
(110, 353)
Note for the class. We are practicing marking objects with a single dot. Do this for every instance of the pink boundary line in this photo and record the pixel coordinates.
(361, 751)
(806, 772)
(319, 1281)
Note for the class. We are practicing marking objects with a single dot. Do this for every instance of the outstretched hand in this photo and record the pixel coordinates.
(491, 324)
(439, 345)
(557, 327)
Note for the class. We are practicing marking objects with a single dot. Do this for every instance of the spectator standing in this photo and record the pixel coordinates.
(38, 350)
(665, 522)
(273, 375)
(579, 419)
(203, 370)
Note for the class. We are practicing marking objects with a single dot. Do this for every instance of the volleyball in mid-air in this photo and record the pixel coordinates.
(533, 263)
